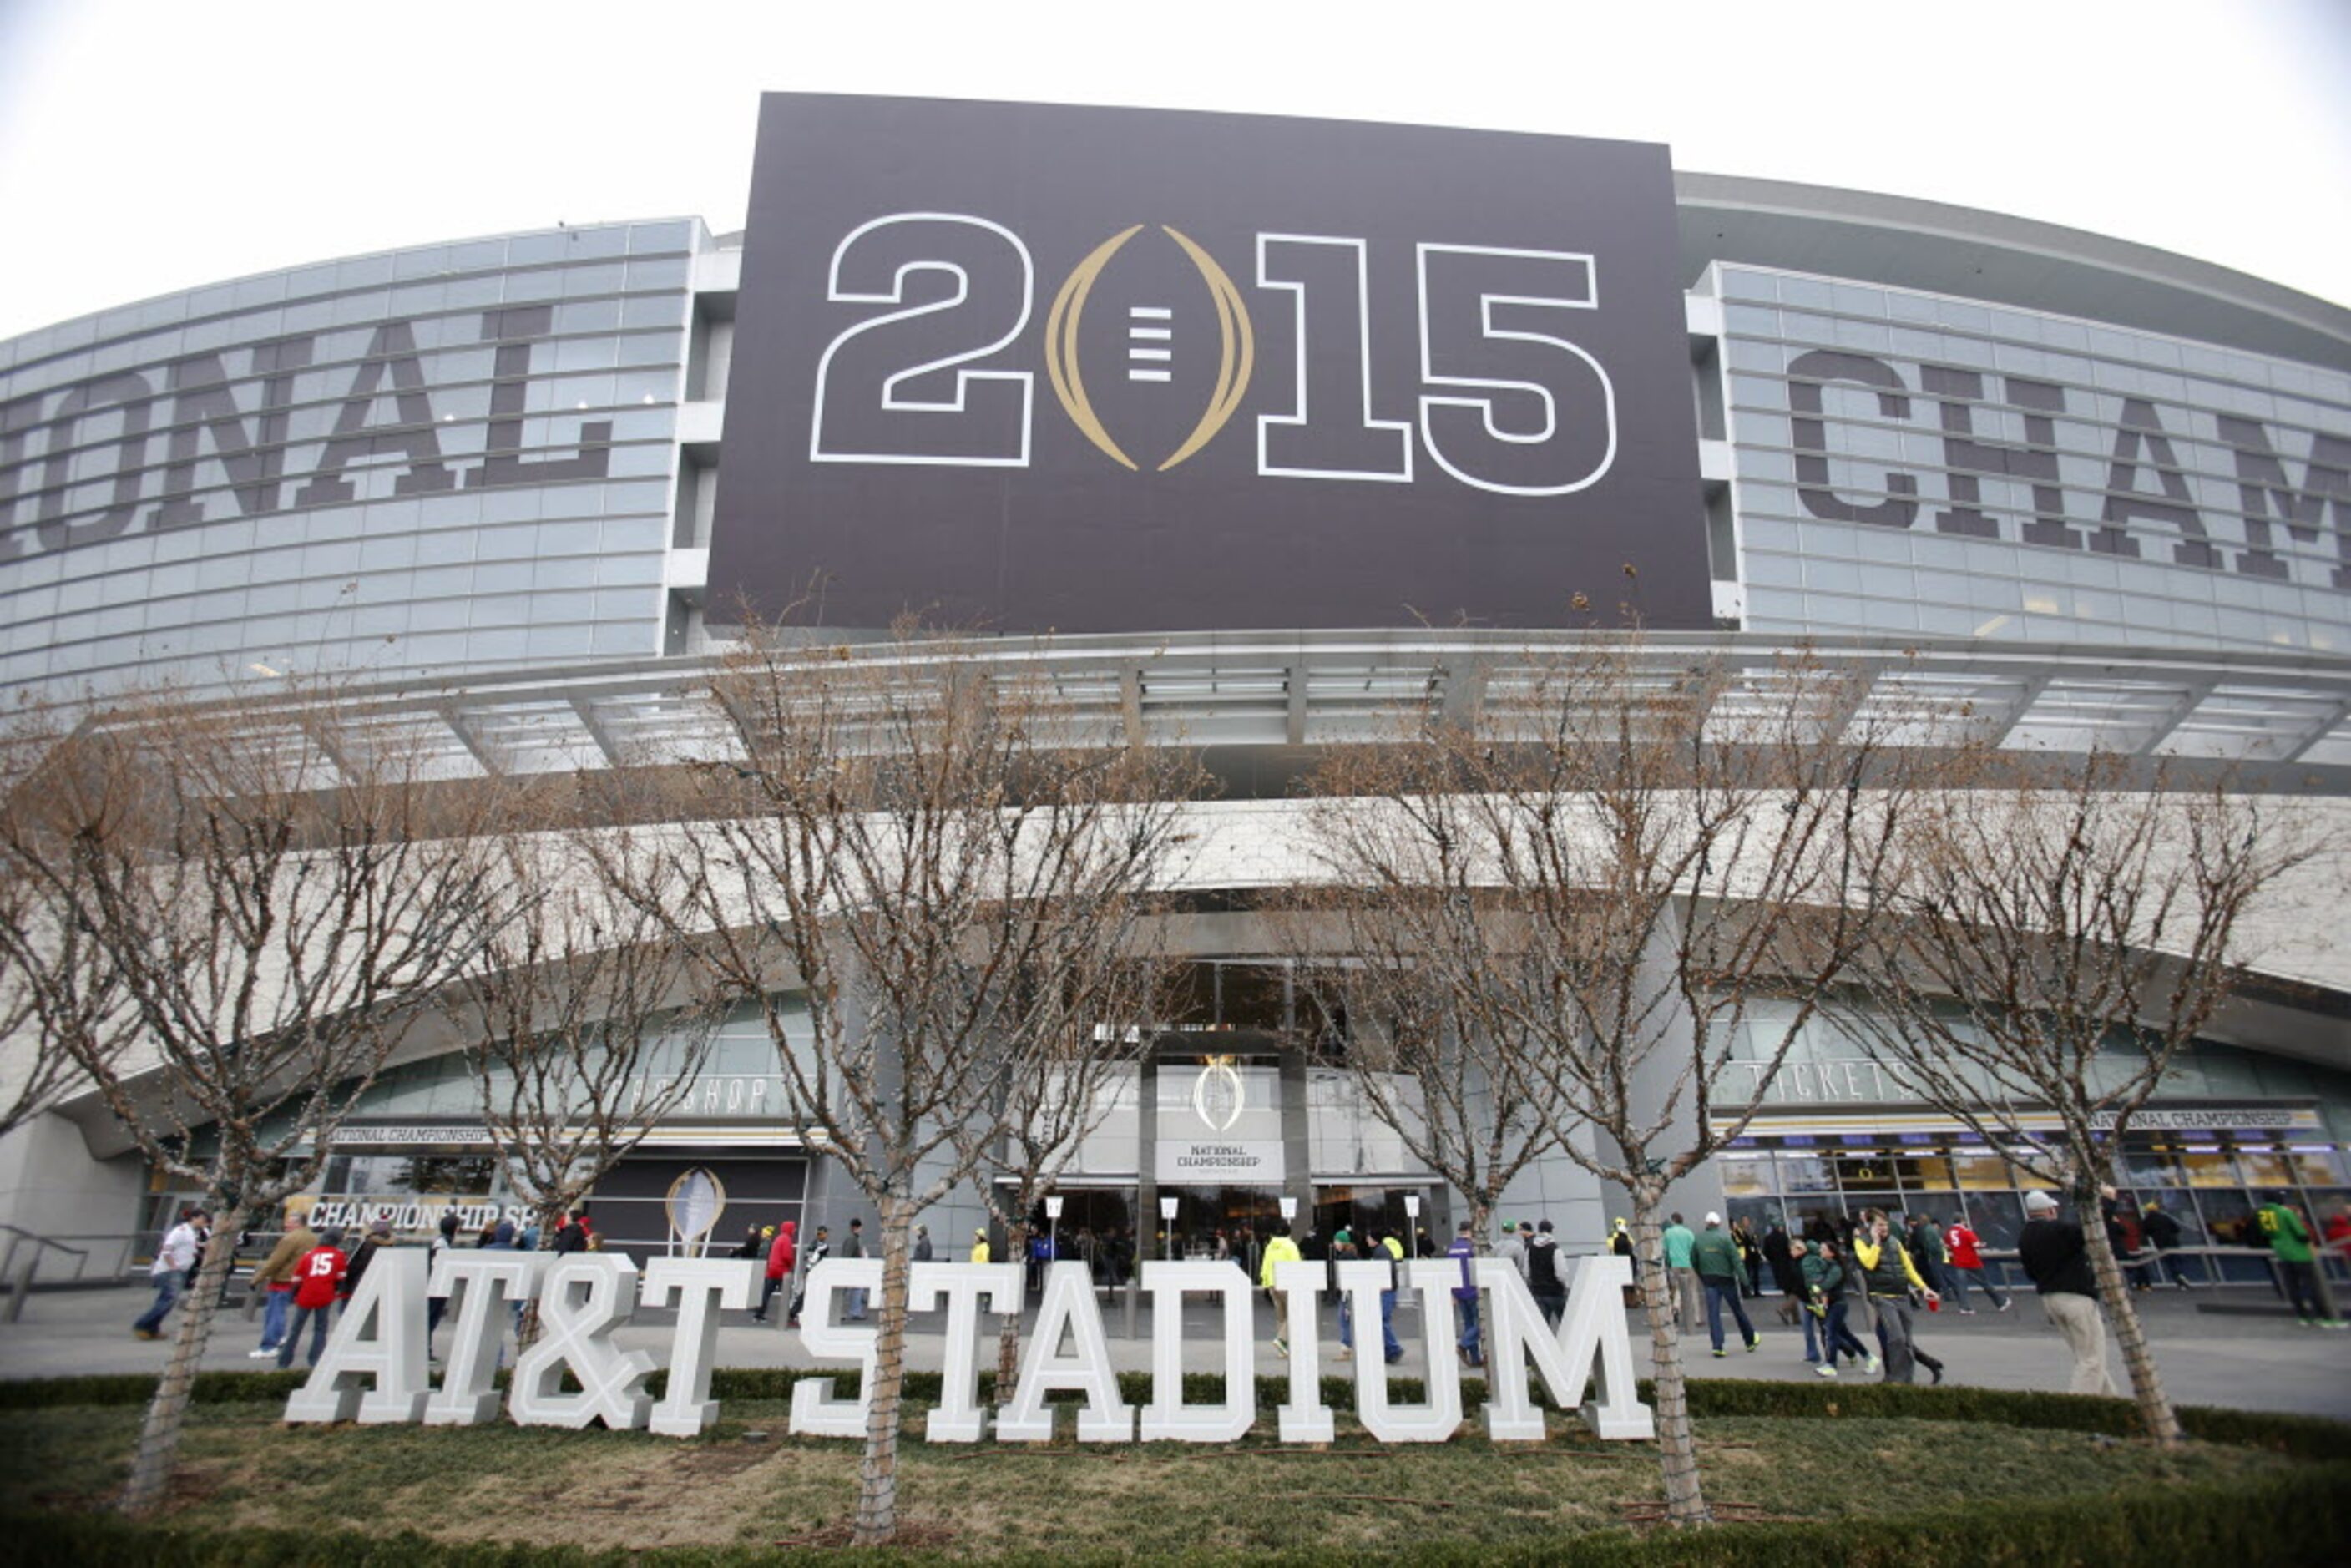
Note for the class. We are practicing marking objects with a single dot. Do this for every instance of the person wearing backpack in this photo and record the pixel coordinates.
(1544, 1275)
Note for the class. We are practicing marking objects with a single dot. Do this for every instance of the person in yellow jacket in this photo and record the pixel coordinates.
(979, 1246)
(1280, 1249)
(1889, 1276)
(274, 1279)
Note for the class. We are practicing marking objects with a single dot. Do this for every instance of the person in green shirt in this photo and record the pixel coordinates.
(1679, 1277)
(2290, 1240)
(1715, 1256)
(1825, 1296)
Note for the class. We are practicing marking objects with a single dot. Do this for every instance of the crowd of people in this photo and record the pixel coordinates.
(307, 1275)
(1855, 1286)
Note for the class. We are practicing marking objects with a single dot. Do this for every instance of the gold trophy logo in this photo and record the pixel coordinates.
(1236, 348)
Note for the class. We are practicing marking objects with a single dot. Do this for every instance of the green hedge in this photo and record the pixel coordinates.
(2303, 1516)
(2304, 1437)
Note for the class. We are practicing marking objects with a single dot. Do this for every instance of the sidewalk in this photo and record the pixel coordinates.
(2243, 1359)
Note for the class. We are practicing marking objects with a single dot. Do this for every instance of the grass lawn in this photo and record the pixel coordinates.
(241, 1467)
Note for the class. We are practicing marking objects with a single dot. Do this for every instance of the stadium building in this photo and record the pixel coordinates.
(1274, 426)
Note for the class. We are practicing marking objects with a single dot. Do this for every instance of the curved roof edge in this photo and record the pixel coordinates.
(1909, 243)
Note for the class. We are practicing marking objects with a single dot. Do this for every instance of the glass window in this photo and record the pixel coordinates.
(2182, 1210)
(1864, 1172)
(1759, 1213)
(1805, 1173)
(1998, 1219)
(1745, 1176)
(2332, 1208)
(1943, 1208)
(2228, 1218)
(1928, 1174)
(2265, 1167)
(2316, 1166)
(2209, 1168)
(2150, 1168)
(1886, 1202)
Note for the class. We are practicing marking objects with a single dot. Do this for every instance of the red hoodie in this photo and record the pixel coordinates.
(1962, 1242)
(780, 1256)
(319, 1276)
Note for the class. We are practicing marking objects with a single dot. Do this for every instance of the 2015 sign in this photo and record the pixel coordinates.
(1031, 366)
(1537, 420)
(374, 1368)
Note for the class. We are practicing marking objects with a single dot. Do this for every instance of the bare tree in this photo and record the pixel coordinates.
(1458, 1095)
(2051, 949)
(592, 1025)
(44, 1021)
(901, 844)
(1600, 871)
(271, 902)
(1104, 978)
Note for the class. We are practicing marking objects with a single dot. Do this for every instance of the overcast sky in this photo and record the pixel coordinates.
(146, 146)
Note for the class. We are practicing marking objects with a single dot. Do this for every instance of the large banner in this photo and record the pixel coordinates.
(1026, 367)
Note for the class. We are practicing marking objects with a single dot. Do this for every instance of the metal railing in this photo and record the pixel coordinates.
(16, 1277)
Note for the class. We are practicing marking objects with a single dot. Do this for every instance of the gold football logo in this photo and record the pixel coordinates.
(1236, 348)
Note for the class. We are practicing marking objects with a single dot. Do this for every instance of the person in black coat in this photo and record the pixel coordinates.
(2163, 1233)
(1785, 1276)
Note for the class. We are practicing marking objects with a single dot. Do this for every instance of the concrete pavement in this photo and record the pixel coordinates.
(2251, 1360)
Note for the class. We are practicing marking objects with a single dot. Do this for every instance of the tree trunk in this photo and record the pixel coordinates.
(1676, 1442)
(2155, 1412)
(159, 1437)
(877, 1475)
(1016, 1236)
(1481, 1222)
(546, 1218)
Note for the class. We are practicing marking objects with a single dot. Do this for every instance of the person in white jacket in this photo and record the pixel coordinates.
(174, 1261)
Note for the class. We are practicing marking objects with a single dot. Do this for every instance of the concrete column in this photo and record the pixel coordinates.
(1298, 1178)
